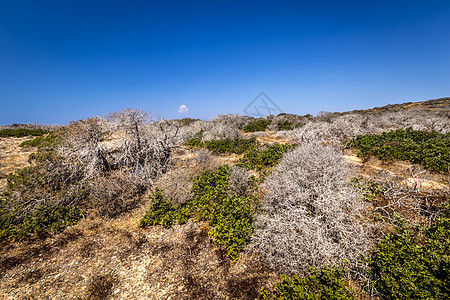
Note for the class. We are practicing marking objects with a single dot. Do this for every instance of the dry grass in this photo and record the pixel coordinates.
(12, 157)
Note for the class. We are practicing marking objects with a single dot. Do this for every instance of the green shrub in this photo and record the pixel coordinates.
(229, 216)
(285, 125)
(196, 141)
(161, 212)
(48, 140)
(21, 132)
(187, 121)
(257, 125)
(263, 159)
(236, 145)
(38, 223)
(328, 283)
(430, 148)
(414, 262)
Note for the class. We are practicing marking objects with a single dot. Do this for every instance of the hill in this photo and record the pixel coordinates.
(119, 206)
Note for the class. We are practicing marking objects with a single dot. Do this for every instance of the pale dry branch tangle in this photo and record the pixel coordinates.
(311, 213)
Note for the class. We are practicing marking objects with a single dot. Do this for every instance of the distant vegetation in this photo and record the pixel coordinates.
(257, 125)
(263, 158)
(237, 145)
(256, 156)
(48, 140)
(430, 148)
(21, 132)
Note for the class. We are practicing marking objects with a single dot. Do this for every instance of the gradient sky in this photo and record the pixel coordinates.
(72, 59)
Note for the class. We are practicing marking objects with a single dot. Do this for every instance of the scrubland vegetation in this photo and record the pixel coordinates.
(276, 192)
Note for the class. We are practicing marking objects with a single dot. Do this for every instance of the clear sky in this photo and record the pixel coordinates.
(72, 59)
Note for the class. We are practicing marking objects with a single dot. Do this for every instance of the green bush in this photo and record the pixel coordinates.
(161, 212)
(48, 140)
(414, 263)
(236, 145)
(21, 132)
(229, 216)
(430, 148)
(42, 219)
(196, 141)
(328, 283)
(263, 159)
(285, 125)
(257, 125)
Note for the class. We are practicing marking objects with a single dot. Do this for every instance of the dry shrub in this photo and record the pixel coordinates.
(312, 214)
(405, 196)
(233, 120)
(336, 129)
(114, 193)
(219, 131)
(176, 186)
(239, 182)
(177, 183)
(101, 284)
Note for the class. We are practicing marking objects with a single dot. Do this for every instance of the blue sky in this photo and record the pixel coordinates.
(68, 60)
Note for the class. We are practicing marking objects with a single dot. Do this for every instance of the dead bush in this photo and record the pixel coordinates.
(336, 129)
(312, 215)
(177, 183)
(114, 193)
(404, 196)
(239, 182)
(89, 167)
(232, 120)
(219, 131)
(176, 186)
(100, 285)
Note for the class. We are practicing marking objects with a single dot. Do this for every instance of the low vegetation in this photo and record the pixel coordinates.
(311, 228)
(48, 140)
(236, 145)
(429, 148)
(327, 283)
(230, 216)
(257, 125)
(413, 262)
(264, 158)
(38, 223)
(21, 132)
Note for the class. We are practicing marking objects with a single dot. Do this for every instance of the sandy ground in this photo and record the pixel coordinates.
(412, 173)
(12, 157)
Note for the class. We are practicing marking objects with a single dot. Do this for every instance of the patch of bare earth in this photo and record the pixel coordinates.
(411, 173)
(12, 157)
(114, 258)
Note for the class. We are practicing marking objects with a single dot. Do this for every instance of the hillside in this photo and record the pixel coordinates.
(120, 207)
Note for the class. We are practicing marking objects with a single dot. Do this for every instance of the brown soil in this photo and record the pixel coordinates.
(114, 258)
(411, 173)
(12, 157)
